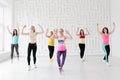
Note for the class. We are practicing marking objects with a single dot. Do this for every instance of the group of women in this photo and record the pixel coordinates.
(61, 35)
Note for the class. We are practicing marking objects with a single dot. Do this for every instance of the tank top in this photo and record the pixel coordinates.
(15, 39)
(105, 39)
(61, 44)
(51, 41)
(82, 39)
(32, 37)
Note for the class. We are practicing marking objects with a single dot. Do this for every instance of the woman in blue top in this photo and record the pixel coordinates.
(14, 44)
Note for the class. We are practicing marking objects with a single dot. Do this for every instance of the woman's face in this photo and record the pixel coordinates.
(82, 32)
(61, 31)
(32, 28)
(51, 33)
(14, 31)
(105, 30)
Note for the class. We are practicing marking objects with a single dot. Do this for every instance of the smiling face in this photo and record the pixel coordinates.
(61, 31)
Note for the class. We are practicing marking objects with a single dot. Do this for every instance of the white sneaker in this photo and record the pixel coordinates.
(29, 68)
(82, 60)
(107, 64)
(35, 66)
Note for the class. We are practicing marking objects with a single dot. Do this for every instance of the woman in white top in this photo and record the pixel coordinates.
(32, 43)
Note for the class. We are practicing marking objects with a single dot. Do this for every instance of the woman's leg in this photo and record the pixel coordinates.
(82, 49)
(104, 49)
(29, 53)
(34, 53)
(58, 58)
(107, 47)
(63, 58)
(16, 48)
(12, 51)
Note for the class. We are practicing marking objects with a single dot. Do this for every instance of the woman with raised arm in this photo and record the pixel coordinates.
(15, 38)
(50, 44)
(106, 44)
(61, 48)
(32, 46)
(81, 34)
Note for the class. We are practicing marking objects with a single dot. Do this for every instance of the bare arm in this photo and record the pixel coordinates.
(98, 29)
(23, 33)
(42, 31)
(47, 34)
(18, 29)
(9, 30)
(113, 28)
(87, 32)
(69, 35)
(56, 33)
(77, 32)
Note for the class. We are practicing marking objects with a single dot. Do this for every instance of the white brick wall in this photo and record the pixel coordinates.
(68, 14)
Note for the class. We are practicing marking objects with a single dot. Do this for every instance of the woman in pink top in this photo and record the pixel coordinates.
(105, 37)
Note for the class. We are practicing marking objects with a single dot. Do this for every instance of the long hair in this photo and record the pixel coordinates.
(81, 31)
(33, 27)
(15, 34)
(106, 29)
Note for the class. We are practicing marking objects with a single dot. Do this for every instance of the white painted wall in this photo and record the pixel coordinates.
(68, 14)
(115, 16)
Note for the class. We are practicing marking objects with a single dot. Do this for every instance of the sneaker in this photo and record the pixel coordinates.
(51, 60)
(82, 60)
(35, 66)
(29, 68)
(107, 64)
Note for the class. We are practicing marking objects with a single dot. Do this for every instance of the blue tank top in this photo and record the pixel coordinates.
(15, 40)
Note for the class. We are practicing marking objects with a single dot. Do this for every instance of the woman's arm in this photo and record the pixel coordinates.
(77, 32)
(69, 35)
(9, 30)
(23, 33)
(18, 29)
(47, 34)
(98, 29)
(87, 32)
(55, 33)
(113, 28)
(42, 31)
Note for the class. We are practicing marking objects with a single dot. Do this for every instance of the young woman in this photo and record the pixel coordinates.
(81, 34)
(105, 37)
(32, 46)
(50, 44)
(61, 48)
(15, 38)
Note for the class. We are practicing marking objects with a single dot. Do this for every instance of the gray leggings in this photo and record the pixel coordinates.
(12, 50)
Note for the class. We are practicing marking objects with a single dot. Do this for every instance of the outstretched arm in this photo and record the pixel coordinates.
(23, 33)
(87, 32)
(77, 32)
(9, 30)
(18, 29)
(42, 31)
(113, 28)
(56, 33)
(98, 29)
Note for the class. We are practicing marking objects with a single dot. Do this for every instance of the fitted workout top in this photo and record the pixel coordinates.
(105, 38)
(82, 39)
(51, 41)
(32, 37)
(15, 39)
(61, 44)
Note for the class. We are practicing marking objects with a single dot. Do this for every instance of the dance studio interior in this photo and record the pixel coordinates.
(59, 39)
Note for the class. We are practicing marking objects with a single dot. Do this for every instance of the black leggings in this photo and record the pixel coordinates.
(107, 48)
(32, 47)
(82, 50)
(12, 50)
(51, 51)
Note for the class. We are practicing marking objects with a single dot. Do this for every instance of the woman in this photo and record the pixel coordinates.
(50, 44)
(106, 44)
(15, 38)
(82, 36)
(32, 46)
(61, 48)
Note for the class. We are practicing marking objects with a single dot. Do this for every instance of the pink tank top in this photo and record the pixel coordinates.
(61, 44)
(105, 39)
